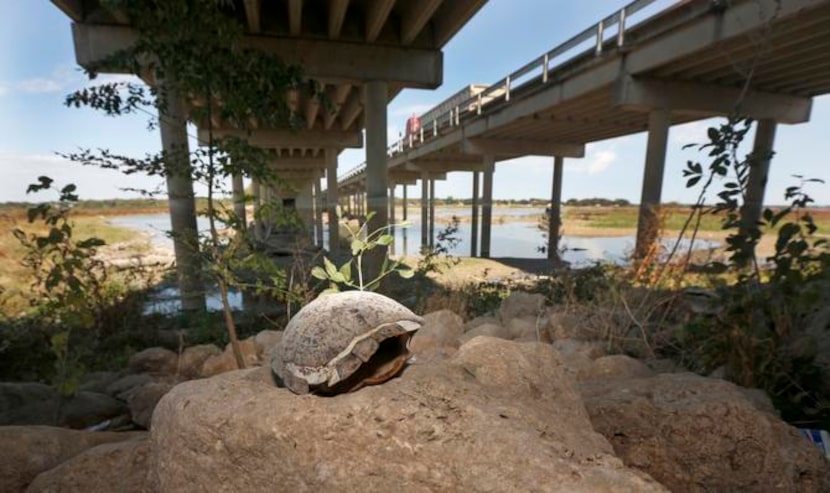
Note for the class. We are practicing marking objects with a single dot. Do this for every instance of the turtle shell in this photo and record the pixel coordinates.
(340, 342)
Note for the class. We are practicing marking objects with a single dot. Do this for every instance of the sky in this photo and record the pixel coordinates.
(38, 70)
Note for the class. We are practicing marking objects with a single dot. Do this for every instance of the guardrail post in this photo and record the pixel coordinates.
(478, 109)
(457, 116)
(507, 89)
(621, 27)
(435, 127)
(600, 34)
(545, 61)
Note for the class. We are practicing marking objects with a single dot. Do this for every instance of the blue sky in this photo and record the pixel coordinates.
(39, 70)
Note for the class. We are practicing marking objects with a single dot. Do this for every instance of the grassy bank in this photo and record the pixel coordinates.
(15, 279)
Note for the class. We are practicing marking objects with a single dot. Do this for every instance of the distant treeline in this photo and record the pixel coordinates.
(592, 202)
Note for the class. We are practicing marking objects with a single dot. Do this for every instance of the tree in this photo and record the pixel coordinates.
(191, 51)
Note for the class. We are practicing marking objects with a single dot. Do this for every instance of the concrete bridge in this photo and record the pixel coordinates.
(644, 68)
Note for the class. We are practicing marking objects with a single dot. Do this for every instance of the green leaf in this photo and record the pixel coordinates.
(332, 289)
(331, 269)
(346, 271)
(318, 273)
(385, 240)
(406, 273)
(358, 246)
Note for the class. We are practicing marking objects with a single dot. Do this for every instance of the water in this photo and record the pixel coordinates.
(517, 239)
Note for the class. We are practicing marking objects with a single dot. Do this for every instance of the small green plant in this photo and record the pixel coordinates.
(351, 275)
(70, 283)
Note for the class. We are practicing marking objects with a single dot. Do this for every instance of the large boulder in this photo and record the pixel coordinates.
(226, 361)
(124, 387)
(193, 359)
(693, 433)
(31, 450)
(154, 360)
(266, 342)
(38, 404)
(143, 402)
(487, 330)
(440, 329)
(615, 366)
(497, 416)
(124, 467)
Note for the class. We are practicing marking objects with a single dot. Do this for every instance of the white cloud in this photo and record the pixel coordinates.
(3, 89)
(596, 162)
(689, 133)
(38, 85)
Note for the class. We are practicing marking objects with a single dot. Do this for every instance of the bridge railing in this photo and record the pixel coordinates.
(612, 28)
(595, 39)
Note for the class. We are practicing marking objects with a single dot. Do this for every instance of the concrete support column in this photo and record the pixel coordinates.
(375, 98)
(758, 172)
(659, 121)
(238, 189)
(487, 205)
(404, 211)
(474, 217)
(391, 203)
(255, 190)
(181, 203)
(332, 199)
(318, 212)
(424, 209)
(432, 212)
(555, 219)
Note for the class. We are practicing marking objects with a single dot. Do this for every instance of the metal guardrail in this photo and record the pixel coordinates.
(541, 68)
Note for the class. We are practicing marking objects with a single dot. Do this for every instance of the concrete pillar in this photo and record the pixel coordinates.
(404, 211)
(181, 203)
(318, 212)
(424, 209)
(758, 171)
(659, 121)
(238, 189)
(432, 212)
(391, 203)
(474, 217)
(255, 190)
(487, 205)
(375, 98)
(332, 198)
(555, 219)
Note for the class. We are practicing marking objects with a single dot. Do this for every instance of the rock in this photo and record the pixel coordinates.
(562, 325)
(124, 466)
(125, 386)
(39, 404)
(266, 341)
(98, 381)
(520, 304)
(154, 360)
(488, 330)
(615, 366)
(472, 324)
(143, 402)
(692, 433)
(498, 416)
(524, 329)
(226, 361)
(28, 403)
(664, 365)
(578, 356)
(193, 359)
(441, 329)
(30, 450)
(89, 408)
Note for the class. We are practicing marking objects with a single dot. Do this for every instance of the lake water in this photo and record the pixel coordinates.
(517, 239)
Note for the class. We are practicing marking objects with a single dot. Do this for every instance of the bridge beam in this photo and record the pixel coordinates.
(521, 147)
(645, 94)
(285, 138)
(332, 61)
(487, 205)
(441, 167)
(432, 212)
(659, 122)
